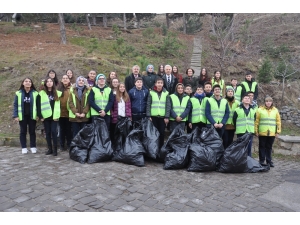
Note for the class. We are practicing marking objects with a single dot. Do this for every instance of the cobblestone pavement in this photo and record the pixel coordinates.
(36, 182)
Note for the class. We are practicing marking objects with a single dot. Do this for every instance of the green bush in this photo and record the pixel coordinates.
(265, 72)
(116, 30)
(149, 33)
(164, 30)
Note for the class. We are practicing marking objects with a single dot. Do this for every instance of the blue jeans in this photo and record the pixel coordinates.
(51, 132)
(27, 121)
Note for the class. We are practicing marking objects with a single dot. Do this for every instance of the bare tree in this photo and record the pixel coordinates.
(124, 20)
(94, 19)
(104, 19)
(88, 21)
(184, 23)
(61, 22)
(168, 20)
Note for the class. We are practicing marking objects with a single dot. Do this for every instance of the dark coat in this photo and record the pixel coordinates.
(193, 81)
(80, 108)
(149, 80)
(129, 82)
(138, 100)
(174, 82)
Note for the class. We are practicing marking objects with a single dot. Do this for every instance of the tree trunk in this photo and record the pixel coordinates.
(124, 20)
(283, 87)
(104, 19)
(184, 23)
(138, 24)
(135, 20)
(213, 20)
(168, 20)
(94, 19)
(88, 21)
(61, 22)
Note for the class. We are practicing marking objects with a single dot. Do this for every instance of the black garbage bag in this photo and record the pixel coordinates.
(178, 157)
(201, 158)
(166, 148)
(235, 156)
(123, 128)
(100, 150)
(210, 137)
(195, 136)
(81, 143)
(150, 138)
(133, 150)
(254, 166)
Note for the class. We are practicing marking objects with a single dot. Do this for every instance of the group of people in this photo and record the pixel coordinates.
(167, 98)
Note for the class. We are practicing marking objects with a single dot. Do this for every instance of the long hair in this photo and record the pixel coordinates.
(119, 94)
(206, 74)
(177, 73)
(61, 87)
(158, 71)
(73, 79)
(32, 85)
(55, 77)
(111, 85)
(45, 88)
(108, 80)
(215, 74)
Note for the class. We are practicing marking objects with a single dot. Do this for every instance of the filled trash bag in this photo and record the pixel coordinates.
(100, 149)
(210, 137)
(178, 157)
(235, 156)
(123, 128)
(195, 136)
(81, 143)
(133, 150)
(254, 166)
(150, 139)
(201, 158)
(166, 148)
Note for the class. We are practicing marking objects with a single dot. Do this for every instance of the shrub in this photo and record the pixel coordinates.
(265, 72)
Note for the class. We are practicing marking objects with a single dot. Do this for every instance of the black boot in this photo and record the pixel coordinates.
(49, 152)
(55, 151)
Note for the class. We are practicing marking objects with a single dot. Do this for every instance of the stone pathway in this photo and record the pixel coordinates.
(196, 57)
(36, 182)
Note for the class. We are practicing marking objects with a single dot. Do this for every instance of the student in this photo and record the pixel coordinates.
(50, 113)
(217, 111)
(267, 127)
(158, 108)
(177, 74)
(79, 108)
(253, 103)
(130, 79)
(249, 85)
(150, 78)
(237, 89)
(161, 70)
(243, 120)
(111, 76)
(101, 100)
(138, 97)
(190, 79)
(208, 93)
(204, 77)
(170, 81)
(180, 107)
(26, 111)
(71, 76)
(217, 79)
(114, 85)
(195, 117)
(188, 91)
(65, 126)
(229, 127)
(121, 108)
(52, 74)
(91, 78)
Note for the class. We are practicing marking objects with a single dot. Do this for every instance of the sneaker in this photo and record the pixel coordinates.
(33, 150)
(24, 150)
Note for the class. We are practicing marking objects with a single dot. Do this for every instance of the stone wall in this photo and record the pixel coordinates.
(290, 115)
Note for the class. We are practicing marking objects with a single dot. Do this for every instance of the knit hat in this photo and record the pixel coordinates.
(268, 98)
(229, 88)
(100, 75)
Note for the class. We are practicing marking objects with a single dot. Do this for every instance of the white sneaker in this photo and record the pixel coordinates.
(33, 150)
(24, 150)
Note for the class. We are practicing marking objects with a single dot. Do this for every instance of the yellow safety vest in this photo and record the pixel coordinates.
(101, 100)
(71, 114)
(177, 107)
(158, 106)
(217, 112)
(232, 110)
(46, 107)
(196, 110)
(244, 123)
(20, 103)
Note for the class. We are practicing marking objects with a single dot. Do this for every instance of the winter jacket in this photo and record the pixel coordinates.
(80, 105)
(149, 80)
(138, 100)
(149, 103)
(179, 77)
(64, 112)
(129, 82)
(208, 111)
(203, 81)
(250, 85)
(193, 81)
(114, 112)
(174, 82)
(91, 100)
(259, 121)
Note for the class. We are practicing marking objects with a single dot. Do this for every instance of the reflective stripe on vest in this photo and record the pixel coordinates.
(177, 107)
(244, 123)
(232, 110)
(217, 112)
(101, 100)
(46, 107)
(158, 106)
(71, 114)
(266, 121)
(254, 83)
(21, 101)
(238, 93)
(196, 110)
(203, 118)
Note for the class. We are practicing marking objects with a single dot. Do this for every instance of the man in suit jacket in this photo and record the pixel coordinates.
(130, 79)
(170, 81)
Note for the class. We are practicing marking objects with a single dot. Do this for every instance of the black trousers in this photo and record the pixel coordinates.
(27, 122)
(112, 130)
(228, 138)
(65, 133)
(51, 132)
(174, 124)
(76, 127)
(160, 125)
(199, 125)
(265, 148)
(136, 118)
